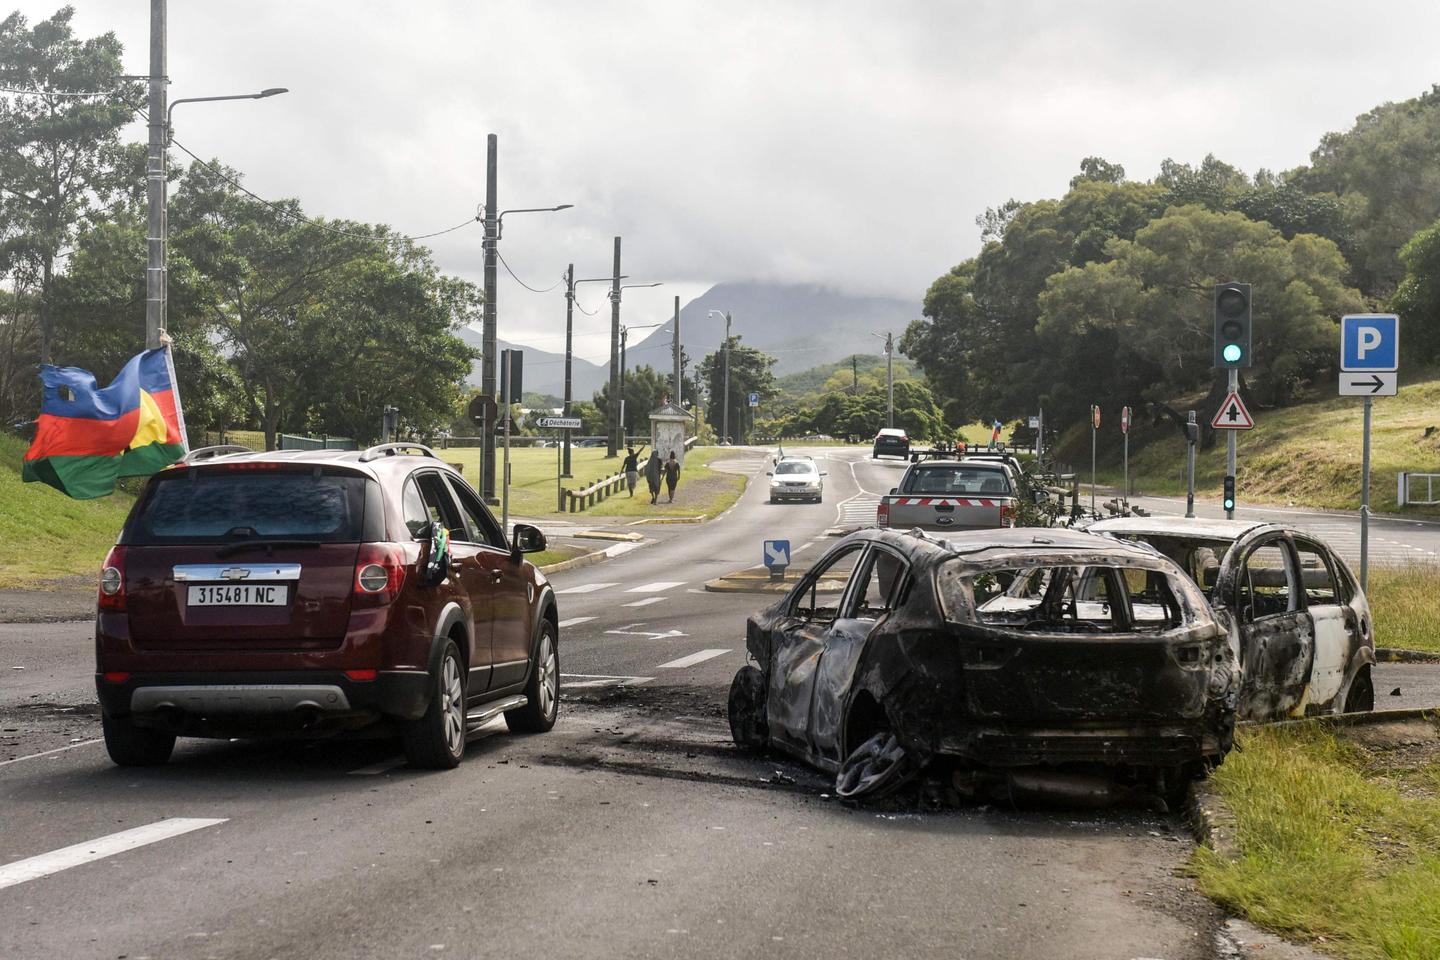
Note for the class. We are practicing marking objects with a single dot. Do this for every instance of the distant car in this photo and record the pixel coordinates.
(891, 442)
(1298, 622)
(590, 442)
(796, 478)
(315, 593)
(1011, 659)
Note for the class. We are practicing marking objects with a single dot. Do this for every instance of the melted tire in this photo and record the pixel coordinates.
(877, 767)
(748, 727)
(1360, 698)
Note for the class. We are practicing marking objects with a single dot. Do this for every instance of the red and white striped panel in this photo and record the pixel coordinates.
(943, 502)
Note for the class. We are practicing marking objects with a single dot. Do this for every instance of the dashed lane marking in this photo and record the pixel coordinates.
(574, 621)
(656, 587)
(47, 753)
(644, 603)
(576, 681)
(588, 588)
(33, 868)
(692, 659)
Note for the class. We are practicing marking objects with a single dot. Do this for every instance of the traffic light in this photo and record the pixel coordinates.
(1232, 325)
(1230, 493)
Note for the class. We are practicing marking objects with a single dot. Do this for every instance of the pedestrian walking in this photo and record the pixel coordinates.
(672, 475)
(632, 469)
(653, 469)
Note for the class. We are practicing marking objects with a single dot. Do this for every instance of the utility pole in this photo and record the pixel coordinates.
(725, 410)
(1230, 443)
(679, 375)
(488, 335)
(612, 444)
(1192, 437)
(569, 338)
(624, 338)
(155, 181)
(889, 380)
(854, 375)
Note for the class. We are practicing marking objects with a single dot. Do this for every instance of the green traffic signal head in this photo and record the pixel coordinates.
(1232, 353)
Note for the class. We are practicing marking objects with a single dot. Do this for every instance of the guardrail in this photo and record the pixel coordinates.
(573, 501)
(1405, 489)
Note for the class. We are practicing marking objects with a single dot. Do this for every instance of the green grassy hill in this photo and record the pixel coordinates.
(1305, 455)
(46, 536)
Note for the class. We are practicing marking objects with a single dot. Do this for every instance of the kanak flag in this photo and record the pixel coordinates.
(88, 437)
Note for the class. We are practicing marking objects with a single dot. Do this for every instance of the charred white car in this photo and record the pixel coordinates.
(989, 653)
(1298, 623)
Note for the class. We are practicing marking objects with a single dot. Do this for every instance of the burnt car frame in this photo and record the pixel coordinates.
(931, 650)
(1298, 623)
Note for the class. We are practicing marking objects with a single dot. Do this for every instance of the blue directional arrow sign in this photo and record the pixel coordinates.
(777, 554)
(1370, 342)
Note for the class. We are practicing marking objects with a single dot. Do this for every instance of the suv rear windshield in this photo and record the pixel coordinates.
(200, 506)
(955, 480)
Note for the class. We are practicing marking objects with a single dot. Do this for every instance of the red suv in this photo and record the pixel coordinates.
(314, 593)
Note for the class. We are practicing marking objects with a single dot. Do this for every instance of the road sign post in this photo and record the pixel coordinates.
(1369, 367)
(1094, 429)
(1192, 437)
(1232, 417)
(1125, 432)
(562, 427)
(777, 557)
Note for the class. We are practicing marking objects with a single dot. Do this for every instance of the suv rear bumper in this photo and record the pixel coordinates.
(404, 694)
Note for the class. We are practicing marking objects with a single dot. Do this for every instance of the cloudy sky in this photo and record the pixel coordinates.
(848, 144)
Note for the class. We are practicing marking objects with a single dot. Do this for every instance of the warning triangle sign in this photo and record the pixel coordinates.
(1232, 415)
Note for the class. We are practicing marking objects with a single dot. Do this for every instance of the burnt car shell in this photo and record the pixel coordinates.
(951, 685)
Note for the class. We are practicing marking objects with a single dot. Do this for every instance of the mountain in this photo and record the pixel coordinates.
(544, 371)
(801, 325)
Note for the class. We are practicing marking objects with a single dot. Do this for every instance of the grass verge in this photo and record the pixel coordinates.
(1339, 840)
(46, 536)
(1403, 601)
(533, 493)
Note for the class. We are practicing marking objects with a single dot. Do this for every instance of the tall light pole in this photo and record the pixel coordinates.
(725, 400)
(624, 336)
(494, 224)
(156, 170)
(889, 339)
(570, 284)
(616, 432)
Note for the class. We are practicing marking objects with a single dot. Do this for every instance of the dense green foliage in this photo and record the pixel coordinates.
(749, 373)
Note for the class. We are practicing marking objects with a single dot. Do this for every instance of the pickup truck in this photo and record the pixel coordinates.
(951, 495)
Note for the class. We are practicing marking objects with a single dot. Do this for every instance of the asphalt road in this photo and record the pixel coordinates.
(633, 829)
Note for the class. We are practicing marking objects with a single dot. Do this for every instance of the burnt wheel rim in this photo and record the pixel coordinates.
(452, 705)
(549, 677)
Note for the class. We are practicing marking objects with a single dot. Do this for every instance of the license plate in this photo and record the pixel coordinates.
(237, 595)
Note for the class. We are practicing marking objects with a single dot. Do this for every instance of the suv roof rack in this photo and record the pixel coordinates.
(221, 450)
(395, 449)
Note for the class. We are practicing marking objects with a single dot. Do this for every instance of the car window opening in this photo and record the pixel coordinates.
(1075, 599)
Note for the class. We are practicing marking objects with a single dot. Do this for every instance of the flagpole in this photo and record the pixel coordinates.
(175, 389)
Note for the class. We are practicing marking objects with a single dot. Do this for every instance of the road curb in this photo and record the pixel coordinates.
(604, 535)
(722, 585)
(594, 557)
(1401, 655)
(698, 519)
(1211, 820)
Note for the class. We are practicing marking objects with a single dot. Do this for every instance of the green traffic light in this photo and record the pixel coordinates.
(1231, 353)
(1229, 504)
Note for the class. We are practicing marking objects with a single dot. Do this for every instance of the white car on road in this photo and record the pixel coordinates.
(796, 478)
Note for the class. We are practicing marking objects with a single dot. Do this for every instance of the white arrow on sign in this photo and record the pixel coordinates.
(1381, 384)
(1232, 415)
(777, 553)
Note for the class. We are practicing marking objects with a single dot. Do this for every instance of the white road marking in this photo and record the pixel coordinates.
(574, 681)
(46, 753)
(657, 586)
(626, 631)
(644, 603)
(574, 621)
(32, 868)
(588, 588)
(691, 660)
(375, 769)
(620, 548)
(803, 546)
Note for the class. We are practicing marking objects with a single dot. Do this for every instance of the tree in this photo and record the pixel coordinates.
(749, 373)
(324, 324)
(1417, 299)
(61, 159)
(644, 388)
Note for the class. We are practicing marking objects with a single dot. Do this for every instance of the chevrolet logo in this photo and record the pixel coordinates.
(235, 573)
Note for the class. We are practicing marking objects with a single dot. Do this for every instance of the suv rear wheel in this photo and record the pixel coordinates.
(436, 741)
(543, 689)
(132, 746)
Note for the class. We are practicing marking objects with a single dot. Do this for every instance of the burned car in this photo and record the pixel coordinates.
(1298, 622)
(1001, 657)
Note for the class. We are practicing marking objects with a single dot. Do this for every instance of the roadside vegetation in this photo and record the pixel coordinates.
(45, 537)
(1406, 605)
(1339, 839)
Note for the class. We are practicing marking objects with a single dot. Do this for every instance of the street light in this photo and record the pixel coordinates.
(725, 400)
(617, 429)
(624, 334)
(488, 329)
(156, 175)
(570, 284)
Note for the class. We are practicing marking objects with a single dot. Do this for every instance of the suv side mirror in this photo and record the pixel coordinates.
(526, 539)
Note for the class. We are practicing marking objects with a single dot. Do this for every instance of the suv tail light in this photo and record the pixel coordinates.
(1007, 515)
(882, 514)
(112, 581)
(379, 574)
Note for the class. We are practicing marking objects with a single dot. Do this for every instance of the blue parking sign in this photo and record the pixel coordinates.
(1370, 341)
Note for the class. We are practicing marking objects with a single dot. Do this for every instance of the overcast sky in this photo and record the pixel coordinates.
(840, 143)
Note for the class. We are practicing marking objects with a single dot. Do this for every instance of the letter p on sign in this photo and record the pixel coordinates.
(1370, 342)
